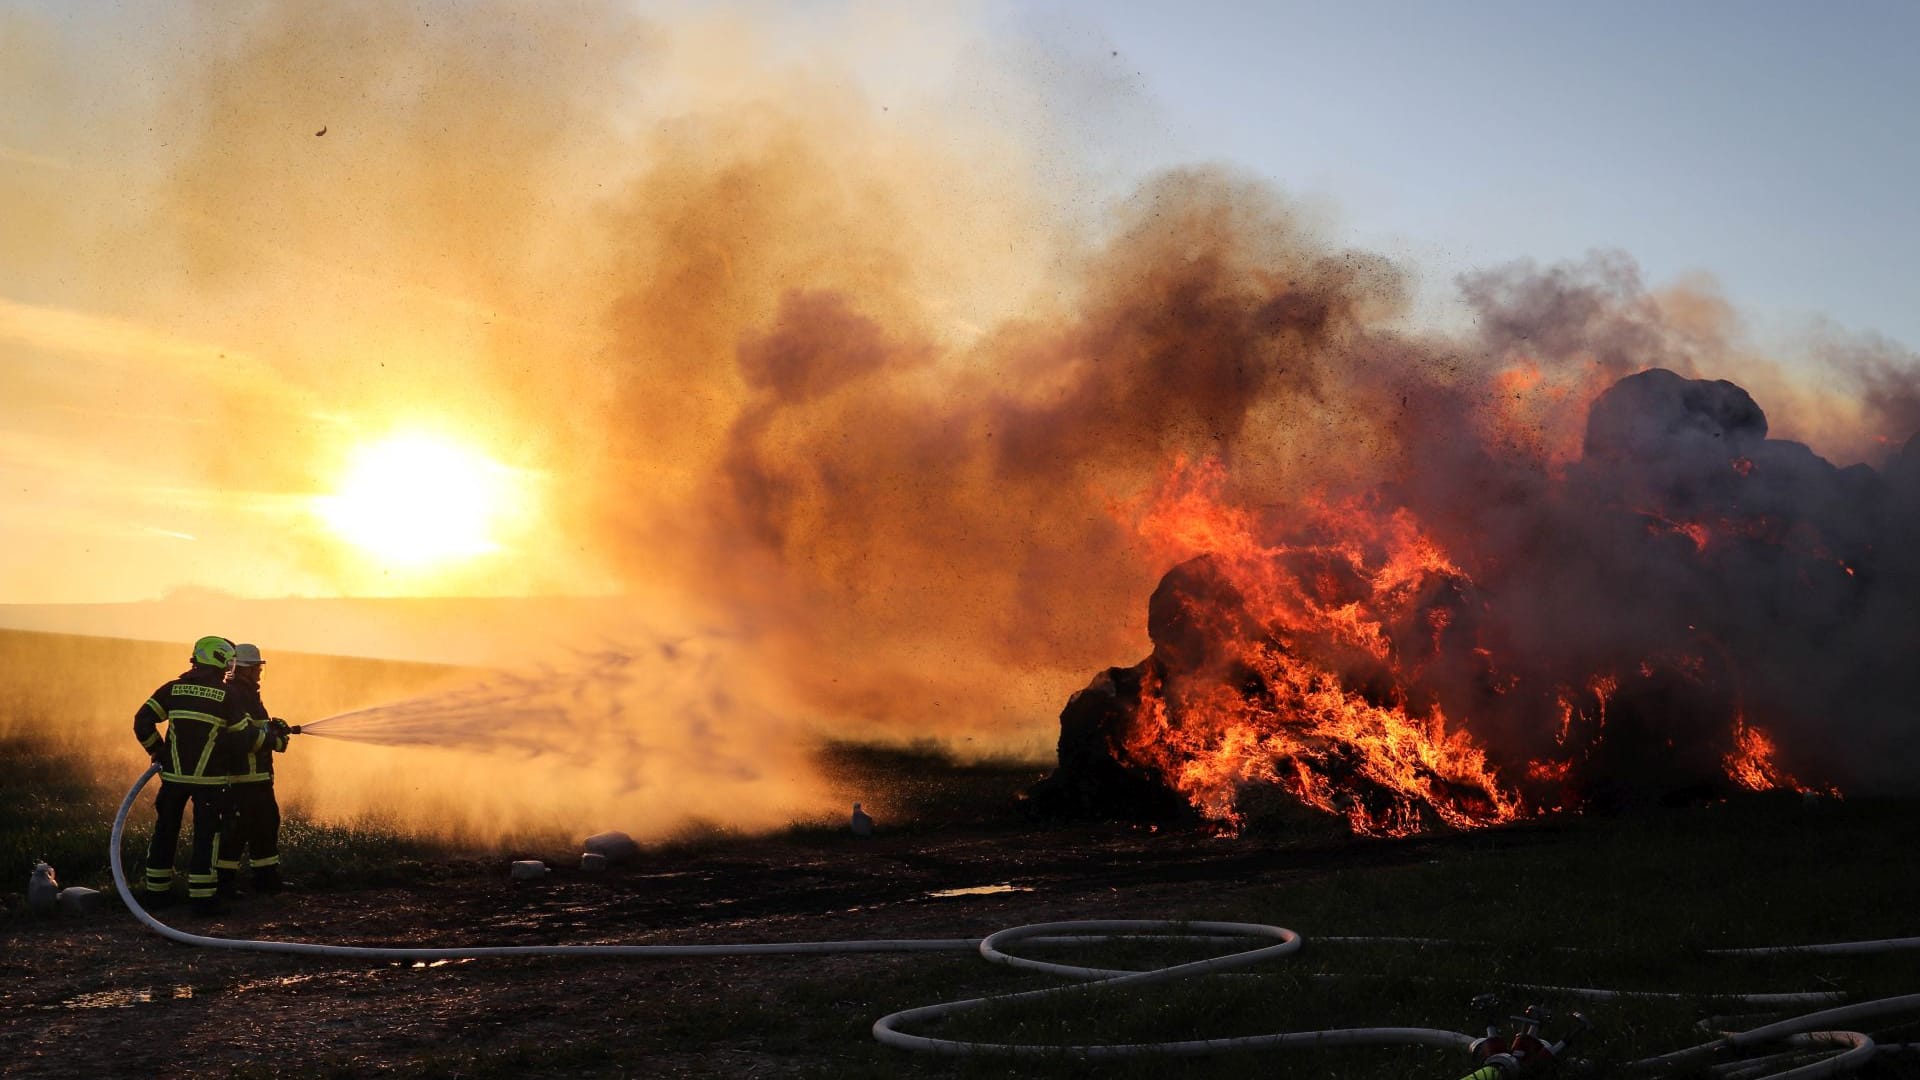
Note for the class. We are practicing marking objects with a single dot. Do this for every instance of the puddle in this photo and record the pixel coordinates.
(127, 999)
(981, 890)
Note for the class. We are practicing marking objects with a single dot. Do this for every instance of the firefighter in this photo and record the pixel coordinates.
(253, 823)
(206, 735)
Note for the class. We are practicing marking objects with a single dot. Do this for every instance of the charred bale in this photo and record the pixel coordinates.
(1093, 779)
(1195, 617)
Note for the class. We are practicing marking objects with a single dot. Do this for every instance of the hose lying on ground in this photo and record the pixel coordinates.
(1813, 1029)
(886, 1029)
(391, 952)
(1824, 1022)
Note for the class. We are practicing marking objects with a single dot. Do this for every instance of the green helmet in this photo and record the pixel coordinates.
(213, 652)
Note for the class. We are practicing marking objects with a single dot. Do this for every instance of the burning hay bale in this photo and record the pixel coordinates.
(1605, 641)
(1189, 730)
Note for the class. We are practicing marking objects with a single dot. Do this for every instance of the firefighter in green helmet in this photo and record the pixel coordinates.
(205, 738)
(253, 826)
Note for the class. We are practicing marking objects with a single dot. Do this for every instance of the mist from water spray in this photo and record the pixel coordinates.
(610, 695)
(477, 714)
(643, 738)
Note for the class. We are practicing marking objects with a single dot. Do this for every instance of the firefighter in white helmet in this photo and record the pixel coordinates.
(253, 827)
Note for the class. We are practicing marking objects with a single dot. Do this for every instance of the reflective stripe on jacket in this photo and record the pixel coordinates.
(206, 736)
(256, 763)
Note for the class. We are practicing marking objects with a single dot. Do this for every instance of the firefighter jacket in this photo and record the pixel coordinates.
(256, 763)
(207, 735)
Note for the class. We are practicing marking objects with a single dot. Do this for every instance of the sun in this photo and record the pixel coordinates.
(417, 501)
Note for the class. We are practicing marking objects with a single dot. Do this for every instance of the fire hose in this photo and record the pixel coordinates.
(1811, 1029)
(359, 952)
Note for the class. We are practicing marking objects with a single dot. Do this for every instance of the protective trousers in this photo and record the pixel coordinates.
(209, 812)
(252, 827)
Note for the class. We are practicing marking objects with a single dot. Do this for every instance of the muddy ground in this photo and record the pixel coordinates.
(102, 995)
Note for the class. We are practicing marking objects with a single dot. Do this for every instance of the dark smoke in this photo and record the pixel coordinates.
(1795, 592)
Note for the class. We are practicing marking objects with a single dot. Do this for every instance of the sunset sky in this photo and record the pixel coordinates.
(397, 358)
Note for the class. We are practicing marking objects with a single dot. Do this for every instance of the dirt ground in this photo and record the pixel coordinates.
(101, 995)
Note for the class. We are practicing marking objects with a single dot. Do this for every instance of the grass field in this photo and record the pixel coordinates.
(1627, 903)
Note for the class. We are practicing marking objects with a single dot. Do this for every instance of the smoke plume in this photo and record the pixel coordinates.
(884, 388)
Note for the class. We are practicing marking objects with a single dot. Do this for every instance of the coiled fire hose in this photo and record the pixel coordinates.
(1810, 1030)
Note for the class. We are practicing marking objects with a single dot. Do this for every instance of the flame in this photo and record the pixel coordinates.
(1750, 763)
(1306, 648)
(1321, 609)
(1305, 658)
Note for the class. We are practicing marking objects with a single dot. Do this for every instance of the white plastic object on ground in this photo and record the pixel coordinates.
(79, 900)
(527, 870)
(593, 862)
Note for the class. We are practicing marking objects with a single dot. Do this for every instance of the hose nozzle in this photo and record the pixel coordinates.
(293, 729)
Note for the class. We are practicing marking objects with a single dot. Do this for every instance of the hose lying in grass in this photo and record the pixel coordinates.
(1849, 1041)
(1803, 1034)
(1812, 1029)
(1836, 948)
(358, 952)
(1826, 1022)
(886, 1029)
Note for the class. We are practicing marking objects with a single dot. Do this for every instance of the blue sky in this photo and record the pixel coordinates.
(1774, 146)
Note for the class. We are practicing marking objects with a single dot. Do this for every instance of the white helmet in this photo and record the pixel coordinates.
(247, 655)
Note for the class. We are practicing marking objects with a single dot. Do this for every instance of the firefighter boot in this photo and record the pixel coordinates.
(266, 880)
(229, 887)
(207, 906)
